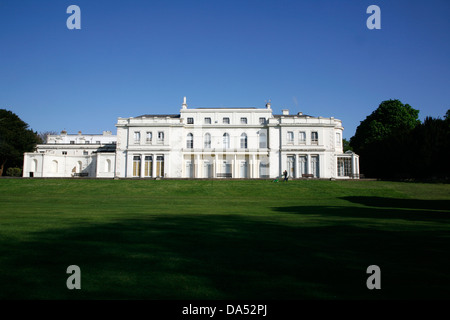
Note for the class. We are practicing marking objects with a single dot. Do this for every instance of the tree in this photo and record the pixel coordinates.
(346, 145)
(380, 139)
(15, 139)
(43, 135)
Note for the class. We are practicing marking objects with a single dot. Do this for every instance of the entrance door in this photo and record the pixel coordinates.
(291, 166)
(189, 169)
(243, 169)
(315, 166)
(207, 169)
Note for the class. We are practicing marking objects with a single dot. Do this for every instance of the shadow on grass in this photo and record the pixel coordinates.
(400, 203)
(229, 257)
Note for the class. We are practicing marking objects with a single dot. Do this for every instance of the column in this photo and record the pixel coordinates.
(197, 173)
(142, 165)
(153, 165)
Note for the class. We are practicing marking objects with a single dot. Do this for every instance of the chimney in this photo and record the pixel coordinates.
(184, 105)
(268, 105)
(285, 112)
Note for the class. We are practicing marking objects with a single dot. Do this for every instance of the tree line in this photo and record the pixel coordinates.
(394, 144)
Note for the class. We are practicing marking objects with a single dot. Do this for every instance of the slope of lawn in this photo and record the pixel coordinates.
(227, 239)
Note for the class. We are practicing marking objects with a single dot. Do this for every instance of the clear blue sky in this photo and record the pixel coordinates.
(140, 57)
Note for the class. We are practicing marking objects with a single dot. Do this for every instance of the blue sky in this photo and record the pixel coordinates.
(141, 57)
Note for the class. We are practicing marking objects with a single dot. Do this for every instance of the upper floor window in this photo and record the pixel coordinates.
(160, 137)
(97, 142)
(207, 141)
(226, 120)
(262, 120)
(243, 141)
(262, 140)
(149, 137)
(72, 141)
(314, 137)
(64, 153)
(290, 137)
(226, 141)
(338, 138)
(302, 137)
(137, 137)
(243, 120)
(190, 141)
(190, 120)
(207, 120)
(87, 142)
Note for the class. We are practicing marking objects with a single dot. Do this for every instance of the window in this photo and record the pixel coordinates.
(149, 137)
(207, 120)
(302, 137)
(108, 165)
(85, 153)
(262, 140)
(262, 120)
(243, 120)
(160, 137)
(226, 141)
(64, 153)
(207, 141)
(136, 166)
(148, 166)
(338, 139)
(72, 141)
(190, 141)
(290, 137)
(243, 141)
(87, 142)
(344, 167)
(97, 142)
(226, 120)
(190, 120)
(314, 137)
(137, 137)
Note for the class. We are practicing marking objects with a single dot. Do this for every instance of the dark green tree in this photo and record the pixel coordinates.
(15, 139)
(381, 138)
(346, 145)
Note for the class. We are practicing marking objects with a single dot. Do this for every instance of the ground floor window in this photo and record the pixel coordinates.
(136, 166)
(148, 166)
(344, 167)
(160, 166)
(315, 168)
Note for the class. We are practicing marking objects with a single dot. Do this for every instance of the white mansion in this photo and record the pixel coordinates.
(201, 143)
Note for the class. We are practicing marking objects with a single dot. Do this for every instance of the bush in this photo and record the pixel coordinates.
(14, 172)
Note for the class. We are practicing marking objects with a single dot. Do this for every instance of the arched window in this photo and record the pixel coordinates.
(108, 165)
(262, 140)
(207, 141)
(243, 141)
(226, 141)
(34, 166)
(55, 166)
(190, 141)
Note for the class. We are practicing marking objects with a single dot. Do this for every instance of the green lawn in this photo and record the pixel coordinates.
(180, 239)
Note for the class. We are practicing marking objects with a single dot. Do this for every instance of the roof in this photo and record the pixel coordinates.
(158, 116)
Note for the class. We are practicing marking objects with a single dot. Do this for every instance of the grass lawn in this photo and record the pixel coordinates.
(249, 239)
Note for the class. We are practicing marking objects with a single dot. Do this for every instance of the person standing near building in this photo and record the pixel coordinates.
(285, 175)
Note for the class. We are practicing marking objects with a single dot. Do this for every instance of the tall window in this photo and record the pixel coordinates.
(338, 138)
(243, 141)
(148, 166)
(344, 167)
(226, 141)
(207, 120)
(160, 137)
(137, 137)
(302, 137)
(207, 141)
(226, 120)
(190, 120)
(190, 141)
(314, 137)
(290, 137)
(262, 140)
(108, 165)
(149, 137)
(136, 166)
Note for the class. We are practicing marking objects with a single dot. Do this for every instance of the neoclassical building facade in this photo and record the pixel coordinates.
(246, 143)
